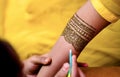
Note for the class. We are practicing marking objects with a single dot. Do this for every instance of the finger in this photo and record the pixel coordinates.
(74, 67)
(37, 59)
(34, 63)
(63, 71)
(31, 76)
(81, 74)
(82, 64)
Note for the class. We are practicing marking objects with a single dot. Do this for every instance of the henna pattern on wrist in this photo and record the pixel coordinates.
(78, 32)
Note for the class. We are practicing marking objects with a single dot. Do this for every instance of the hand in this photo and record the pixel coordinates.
(76, 71)
(32, 64)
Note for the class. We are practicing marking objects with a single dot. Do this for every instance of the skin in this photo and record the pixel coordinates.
(30, 66)
(59, 52)
(77, 71)
(10, 61)
(113, 71)
(33, 64)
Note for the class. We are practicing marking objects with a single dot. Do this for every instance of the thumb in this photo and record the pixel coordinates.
(63, 71)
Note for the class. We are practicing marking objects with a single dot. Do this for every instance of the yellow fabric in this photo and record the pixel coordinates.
(33, 26)
(2, 8)
(108, 9)
(104, 49)
(112, 5)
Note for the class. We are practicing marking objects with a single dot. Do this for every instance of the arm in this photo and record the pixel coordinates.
(113, 71)
(34, 63)
(75, 37)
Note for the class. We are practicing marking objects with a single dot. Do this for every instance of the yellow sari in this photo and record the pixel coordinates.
(33, 27)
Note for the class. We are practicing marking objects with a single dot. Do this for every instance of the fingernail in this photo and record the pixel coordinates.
(85, 65)
(47, 60)
(74, 57)
(65, 66)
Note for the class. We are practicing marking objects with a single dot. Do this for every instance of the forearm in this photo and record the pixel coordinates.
(59, 55)
(82, 27)
(101, 71)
